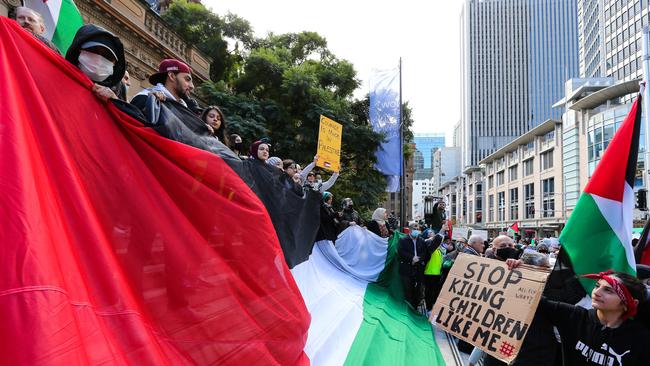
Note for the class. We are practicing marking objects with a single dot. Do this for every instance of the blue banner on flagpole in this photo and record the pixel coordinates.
(385, 118)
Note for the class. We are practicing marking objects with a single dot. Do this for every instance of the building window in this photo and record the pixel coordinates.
(470, 205)
(491, 181)
(501, 200)
(514, 204)
(528, 167)
(479, 189)
(479, 209)
(500, 176)
(512, 173)
(491, 208)
(470, 189)
(529, 200)
(546, 160)
(548, 197)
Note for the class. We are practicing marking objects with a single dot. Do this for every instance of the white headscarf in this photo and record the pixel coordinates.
(378, 215)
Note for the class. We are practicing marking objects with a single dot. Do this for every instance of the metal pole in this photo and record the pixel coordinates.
(645, 59)
(402, 204)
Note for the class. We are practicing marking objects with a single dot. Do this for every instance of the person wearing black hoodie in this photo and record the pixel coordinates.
(99, 54)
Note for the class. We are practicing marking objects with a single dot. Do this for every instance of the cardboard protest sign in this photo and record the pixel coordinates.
(482, 233)
(329, 144)
(460, 233)
(489, 306)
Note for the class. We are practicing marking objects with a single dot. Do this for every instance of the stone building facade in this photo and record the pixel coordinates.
(146, 37)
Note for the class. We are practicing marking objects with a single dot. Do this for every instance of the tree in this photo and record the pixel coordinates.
(210, 34)
(278, 86)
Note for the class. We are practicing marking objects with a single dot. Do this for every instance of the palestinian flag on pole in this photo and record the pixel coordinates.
(359, 317)
(62, 20)
(514, 228)
(598, 235)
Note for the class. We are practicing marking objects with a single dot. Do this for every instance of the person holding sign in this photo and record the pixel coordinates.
(607, 334)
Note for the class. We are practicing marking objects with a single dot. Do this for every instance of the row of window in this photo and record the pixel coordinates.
(545, 163)
(547, 202)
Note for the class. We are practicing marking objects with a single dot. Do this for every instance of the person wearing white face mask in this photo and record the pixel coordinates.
(100, 56)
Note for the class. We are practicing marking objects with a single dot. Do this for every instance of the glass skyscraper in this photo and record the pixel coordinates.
(516, 56)
(425, 143)
(610, 37)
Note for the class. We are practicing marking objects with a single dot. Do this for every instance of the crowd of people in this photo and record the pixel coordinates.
(607, 328)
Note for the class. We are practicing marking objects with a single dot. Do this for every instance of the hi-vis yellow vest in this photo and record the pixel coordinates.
(434, 266)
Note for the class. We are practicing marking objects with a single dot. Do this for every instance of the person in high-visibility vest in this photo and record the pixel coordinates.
(433, 268)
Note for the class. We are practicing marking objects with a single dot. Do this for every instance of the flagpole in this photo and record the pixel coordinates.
(645, 99)
(402, 195)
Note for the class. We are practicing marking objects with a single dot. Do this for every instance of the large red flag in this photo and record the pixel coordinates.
(121, 247)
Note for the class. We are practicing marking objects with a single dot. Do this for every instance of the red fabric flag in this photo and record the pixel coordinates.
(121, 247)
(515, 227)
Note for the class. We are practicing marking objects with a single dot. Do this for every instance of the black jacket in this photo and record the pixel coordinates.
(373, 226)
(406, 254)
(329, 221)
(91, 32)
(585, 341)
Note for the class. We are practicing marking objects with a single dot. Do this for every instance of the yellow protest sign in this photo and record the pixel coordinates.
(329, 144)
(484, 303)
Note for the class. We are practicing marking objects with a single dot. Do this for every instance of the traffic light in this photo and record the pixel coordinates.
(641, 199)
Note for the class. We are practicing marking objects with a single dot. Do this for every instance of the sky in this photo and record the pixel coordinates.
(374, 35)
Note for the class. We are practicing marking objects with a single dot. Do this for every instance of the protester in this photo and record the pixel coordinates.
(412, 252)
(275, 161)
(100, 55)
(475, 245)
(313, 184)
(259, 150)
(439, 216)
(304, 173)
(608, 334)
(501, 242)
(32, 21)
(216, 122)
(173, 81)
(290, 178)
(433, 268)
(378, 223)
(348, 215)
(122, 88)
(237, 145)
(329, 220)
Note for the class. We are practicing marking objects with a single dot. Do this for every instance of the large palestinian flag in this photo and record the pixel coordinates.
(359, 317)
(121, 246)
(598, 235)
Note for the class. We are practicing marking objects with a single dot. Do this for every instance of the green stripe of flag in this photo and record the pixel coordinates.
(69, 22)
(591, 243)
(392, 334)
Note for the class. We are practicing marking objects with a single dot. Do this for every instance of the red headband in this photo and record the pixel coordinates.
(622, 291)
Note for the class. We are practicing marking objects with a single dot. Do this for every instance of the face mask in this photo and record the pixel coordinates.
(415, 233)
(507, 253)
(238, 146)
(96, 67)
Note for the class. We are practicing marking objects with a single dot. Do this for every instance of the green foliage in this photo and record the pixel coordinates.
(210, 33)
(278, 87)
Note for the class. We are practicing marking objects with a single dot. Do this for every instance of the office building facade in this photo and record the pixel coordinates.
(515, 57)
